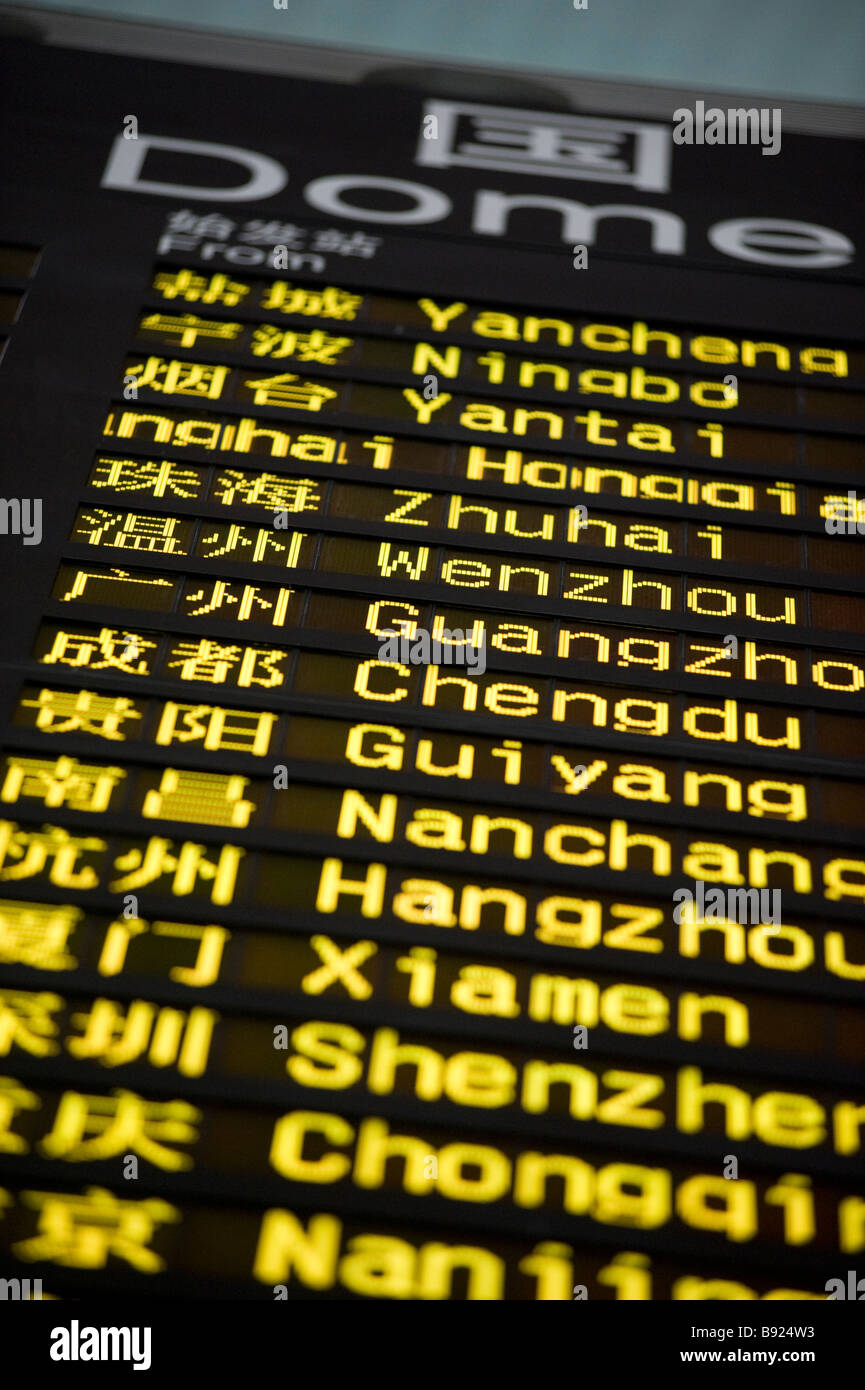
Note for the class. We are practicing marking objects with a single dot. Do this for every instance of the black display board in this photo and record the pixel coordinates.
(521, 957)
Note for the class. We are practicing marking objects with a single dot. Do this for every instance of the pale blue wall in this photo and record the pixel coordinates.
(811, 49)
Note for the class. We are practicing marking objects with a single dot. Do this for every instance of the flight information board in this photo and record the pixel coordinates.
(433, 598)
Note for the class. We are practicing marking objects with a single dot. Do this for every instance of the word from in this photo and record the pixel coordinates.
(185, 230)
